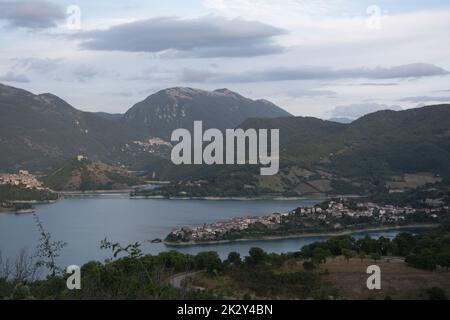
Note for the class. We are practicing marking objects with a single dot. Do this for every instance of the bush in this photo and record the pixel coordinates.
(436, 293)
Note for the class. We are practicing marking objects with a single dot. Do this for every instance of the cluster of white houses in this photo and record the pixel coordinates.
(208, 231)
(333, 213)
(22, 178)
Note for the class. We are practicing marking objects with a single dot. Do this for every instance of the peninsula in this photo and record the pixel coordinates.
(330, 218)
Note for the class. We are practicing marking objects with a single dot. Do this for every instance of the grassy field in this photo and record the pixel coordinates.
(398, 280)
(346, 278)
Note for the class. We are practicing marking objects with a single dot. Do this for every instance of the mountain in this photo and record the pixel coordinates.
(174, 108)
(41, 131)
(116, 117)
(83, 174)
(385, 141)
(341, 120)
(386, 149)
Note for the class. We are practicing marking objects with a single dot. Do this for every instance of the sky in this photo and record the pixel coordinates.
(335, 58)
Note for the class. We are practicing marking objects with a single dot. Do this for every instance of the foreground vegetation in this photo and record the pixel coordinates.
(130, 274)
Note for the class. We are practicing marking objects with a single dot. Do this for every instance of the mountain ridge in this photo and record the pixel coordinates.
(43, 130)
(179, 107)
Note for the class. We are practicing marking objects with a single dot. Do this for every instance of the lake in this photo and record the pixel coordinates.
(84, 222)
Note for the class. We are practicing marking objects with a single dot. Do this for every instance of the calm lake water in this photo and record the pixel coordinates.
(84, 222)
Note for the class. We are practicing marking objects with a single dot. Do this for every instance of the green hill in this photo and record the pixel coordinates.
(39, 132)
(386, 149)
(84, 175)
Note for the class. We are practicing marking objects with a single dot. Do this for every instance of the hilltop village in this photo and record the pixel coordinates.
(23, 178)
(19, 190)
(337, 215)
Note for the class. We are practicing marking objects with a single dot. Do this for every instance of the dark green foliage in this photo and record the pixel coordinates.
(208, 261)
(256, 256)
(426, 251)
(234, 258)
(436, 293)
(20, 193)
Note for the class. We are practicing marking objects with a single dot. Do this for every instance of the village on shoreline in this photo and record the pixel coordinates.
(333, 218)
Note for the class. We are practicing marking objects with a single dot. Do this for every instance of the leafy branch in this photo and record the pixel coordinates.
(47, 250)
(132, 250)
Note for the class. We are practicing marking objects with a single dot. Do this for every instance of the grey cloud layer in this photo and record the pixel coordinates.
(202, 37)
(415, 70)
(41, 65)
(14, 77)
(83, 73)
(31, 14)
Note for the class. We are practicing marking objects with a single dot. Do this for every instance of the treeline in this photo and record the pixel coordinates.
(417, 198)
(427, 251)
(10, 192)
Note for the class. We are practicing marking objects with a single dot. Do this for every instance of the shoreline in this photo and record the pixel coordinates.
(261, 198)
(299, 236)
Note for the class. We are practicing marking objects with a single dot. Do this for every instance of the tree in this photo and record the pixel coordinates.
(375, 256)
(234, 258)
(443, 259)
(425, 259)
(319, 255)
(362, 256)
(436, 293)
(209, 261)
(256, 256)
(404, 243)
(47, 250)
(348, 254)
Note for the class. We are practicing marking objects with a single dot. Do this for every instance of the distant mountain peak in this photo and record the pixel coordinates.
(180, 92)
(51, 99)
(178, 107)
(228, 92)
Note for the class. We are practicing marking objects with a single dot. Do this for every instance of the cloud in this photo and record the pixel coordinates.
(299, 93)
(283, 11)
(373, 84)
(83, 73)
(201, 37)
(41, 65)
(357, 110)
(14, 77)
(29, 14)
(425, 99)
(196, 76)
(415, 70)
